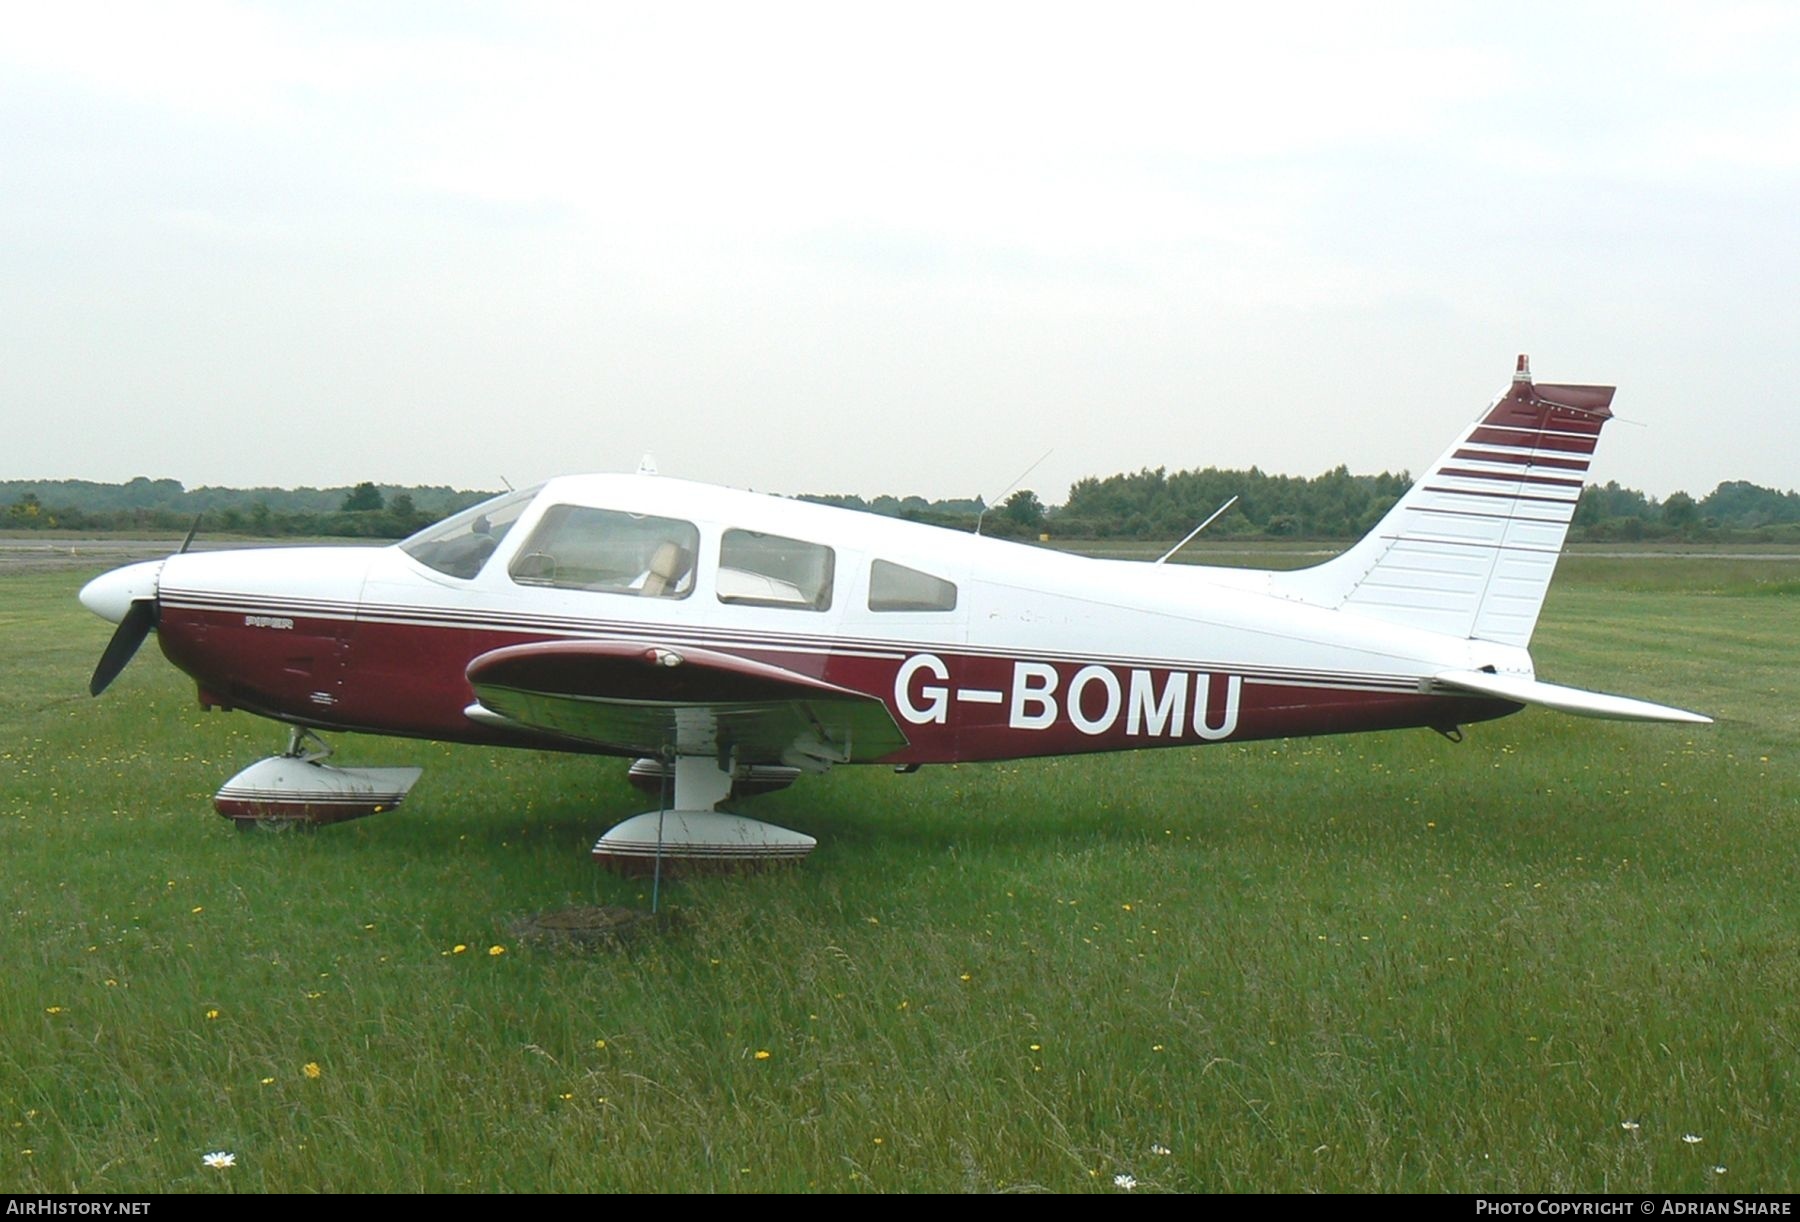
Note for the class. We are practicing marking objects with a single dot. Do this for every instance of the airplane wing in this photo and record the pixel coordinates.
(632, 698)
(1567, 699)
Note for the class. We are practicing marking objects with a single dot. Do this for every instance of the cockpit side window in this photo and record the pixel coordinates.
(894, 587)
(771, 571)
(459, 545)
(579, 548)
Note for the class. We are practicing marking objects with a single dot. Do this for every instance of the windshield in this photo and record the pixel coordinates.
(458, 546)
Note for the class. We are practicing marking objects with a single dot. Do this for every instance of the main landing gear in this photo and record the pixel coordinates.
(299, 789)
(686, 830)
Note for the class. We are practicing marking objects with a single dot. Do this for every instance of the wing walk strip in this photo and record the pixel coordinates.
(821, 646)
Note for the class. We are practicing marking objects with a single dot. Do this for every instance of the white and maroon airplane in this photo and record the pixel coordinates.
(733, 641)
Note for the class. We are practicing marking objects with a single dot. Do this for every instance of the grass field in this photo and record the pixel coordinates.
(1541, 960)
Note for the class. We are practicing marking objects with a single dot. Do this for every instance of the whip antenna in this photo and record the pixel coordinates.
(1016, 482)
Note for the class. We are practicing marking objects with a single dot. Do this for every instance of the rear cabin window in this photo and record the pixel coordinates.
(577, 548)
(894, 587)
(772, 571)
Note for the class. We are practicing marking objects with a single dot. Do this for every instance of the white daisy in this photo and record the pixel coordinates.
(220, 1159)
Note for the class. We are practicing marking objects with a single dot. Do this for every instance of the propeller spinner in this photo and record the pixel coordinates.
(127, 597)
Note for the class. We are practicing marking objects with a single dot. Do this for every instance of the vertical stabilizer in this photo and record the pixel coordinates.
(1470, 549)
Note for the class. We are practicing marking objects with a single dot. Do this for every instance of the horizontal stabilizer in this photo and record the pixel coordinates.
(1566, 699)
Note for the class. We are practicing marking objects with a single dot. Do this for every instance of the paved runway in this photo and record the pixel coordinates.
(19, 555)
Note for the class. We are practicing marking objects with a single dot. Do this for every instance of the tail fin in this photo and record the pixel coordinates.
(1469, 550)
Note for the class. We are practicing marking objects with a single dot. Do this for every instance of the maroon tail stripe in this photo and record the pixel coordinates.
(1497, 517)
(1534, 431)
(1524, 460)
(1505, 496)
(1538, 418)
(1510, 477)
(1502, 437)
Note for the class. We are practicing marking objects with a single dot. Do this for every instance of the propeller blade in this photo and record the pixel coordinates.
(139, 619)
(192, 531)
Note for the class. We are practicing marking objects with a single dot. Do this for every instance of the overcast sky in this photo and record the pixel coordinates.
(887, 248)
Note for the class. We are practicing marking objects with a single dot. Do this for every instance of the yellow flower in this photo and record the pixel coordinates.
(762, 1054)
(311, 1069)
(599, 1043)
(268, 1081)
(53, 1009)
(496, 950)
(211, 1014)
(458, 949)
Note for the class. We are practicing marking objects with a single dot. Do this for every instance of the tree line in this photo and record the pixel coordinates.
(368, 510)
(1155, 504)
(1149, 504)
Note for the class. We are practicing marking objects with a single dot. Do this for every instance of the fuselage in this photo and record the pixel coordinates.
(980, 649)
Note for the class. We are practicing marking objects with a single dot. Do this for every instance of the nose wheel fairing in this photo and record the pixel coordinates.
(299, 788)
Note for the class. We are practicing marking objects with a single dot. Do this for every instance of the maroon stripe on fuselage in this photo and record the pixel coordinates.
(516, 627)
(409, 680)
